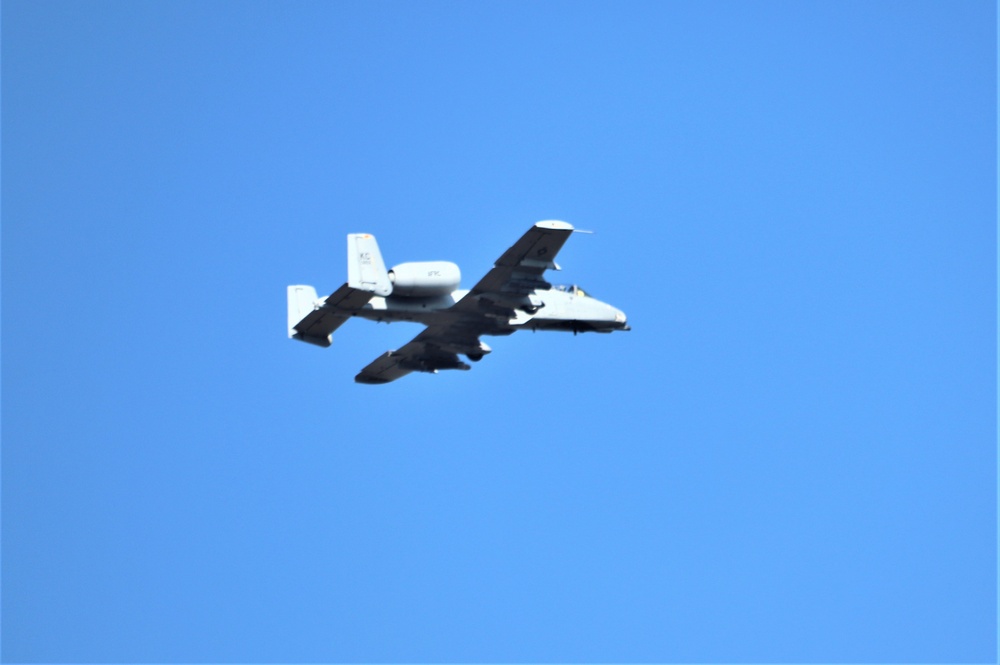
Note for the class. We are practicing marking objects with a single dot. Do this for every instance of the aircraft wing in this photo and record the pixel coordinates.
(437, 347)
(515, 275)
(519, 271)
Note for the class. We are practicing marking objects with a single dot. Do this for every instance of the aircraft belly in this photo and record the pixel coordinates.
(573, 315)
(392, 315)
(567, 325)
(429, 311)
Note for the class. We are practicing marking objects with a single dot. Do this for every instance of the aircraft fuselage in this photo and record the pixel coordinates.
(552, 310)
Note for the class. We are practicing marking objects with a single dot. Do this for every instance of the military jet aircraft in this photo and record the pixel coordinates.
(511, 297)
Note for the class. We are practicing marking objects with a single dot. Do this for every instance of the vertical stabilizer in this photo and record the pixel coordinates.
(365, 267)
(302, 300)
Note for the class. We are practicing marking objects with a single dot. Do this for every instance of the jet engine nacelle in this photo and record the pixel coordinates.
(426, 278)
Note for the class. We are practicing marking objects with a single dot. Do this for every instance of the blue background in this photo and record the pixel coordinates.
(792, 457)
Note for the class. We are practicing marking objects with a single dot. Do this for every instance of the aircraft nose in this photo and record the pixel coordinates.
(622, 320)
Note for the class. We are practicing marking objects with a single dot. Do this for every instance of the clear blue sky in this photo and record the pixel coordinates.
(791, 458)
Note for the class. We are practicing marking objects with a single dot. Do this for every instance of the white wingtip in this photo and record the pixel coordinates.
(554, 225)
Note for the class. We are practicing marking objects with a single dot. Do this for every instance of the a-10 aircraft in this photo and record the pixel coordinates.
(511, 297)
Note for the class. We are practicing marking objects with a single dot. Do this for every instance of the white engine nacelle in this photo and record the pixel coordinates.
(427, 278)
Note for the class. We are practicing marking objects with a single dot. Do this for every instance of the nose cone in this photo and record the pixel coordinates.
(621, 320)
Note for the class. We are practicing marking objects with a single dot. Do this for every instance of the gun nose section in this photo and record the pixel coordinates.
(621, 320)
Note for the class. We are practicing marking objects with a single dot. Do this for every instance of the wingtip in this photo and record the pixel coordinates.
(554, 225)
(369, 380)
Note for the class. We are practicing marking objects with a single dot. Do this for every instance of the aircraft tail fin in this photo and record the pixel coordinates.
(313, 320)
(365, 267)
(302, 301)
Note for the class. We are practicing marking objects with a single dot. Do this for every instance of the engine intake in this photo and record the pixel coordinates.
(423, 279)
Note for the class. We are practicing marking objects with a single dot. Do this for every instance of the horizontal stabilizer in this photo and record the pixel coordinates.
(313, 321)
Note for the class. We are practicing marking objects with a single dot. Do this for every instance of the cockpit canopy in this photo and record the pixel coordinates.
(571, 289)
